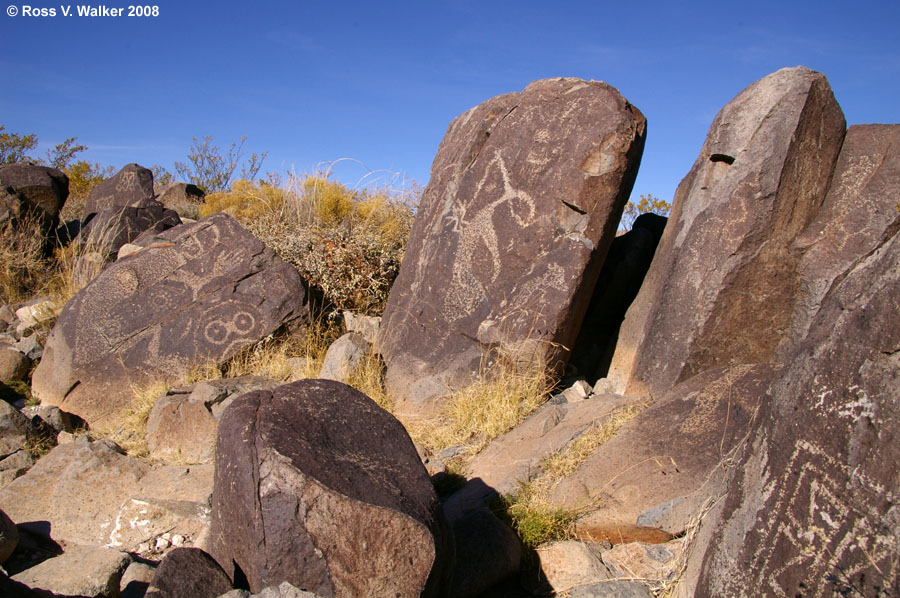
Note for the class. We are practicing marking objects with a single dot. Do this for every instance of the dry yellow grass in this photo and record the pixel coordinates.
(565, 462)
(537, 520)
(503, 396)
(23, 269)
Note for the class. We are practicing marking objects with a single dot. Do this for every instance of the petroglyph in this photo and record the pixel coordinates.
(473, 271)
(810, 513)
(508, 232)
(212, 291)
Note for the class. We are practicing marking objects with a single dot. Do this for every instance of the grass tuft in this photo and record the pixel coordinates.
(23, 268)
(500, 399)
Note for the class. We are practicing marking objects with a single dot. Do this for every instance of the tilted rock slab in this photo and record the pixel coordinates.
(83, 571)
(860, 206)
(525, 196)
(668, 459)
(515, 457)
(128, 187)
(88, 493)
(318, 486)
(813, 506)
(201, 293)
(722, 286)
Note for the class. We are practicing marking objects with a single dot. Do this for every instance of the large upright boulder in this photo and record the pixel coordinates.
(127, 187)
(722, 286)
(200, 293)
(812, 509)
(318, 486)
(525, 195)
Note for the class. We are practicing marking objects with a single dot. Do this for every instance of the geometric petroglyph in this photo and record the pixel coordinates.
(813, 533)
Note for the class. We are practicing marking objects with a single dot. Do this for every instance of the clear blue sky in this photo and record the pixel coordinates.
(379, 82)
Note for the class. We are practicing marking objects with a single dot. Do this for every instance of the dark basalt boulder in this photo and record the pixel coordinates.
(128, 187)
(200, 293)
(318, 486)
(525, 195)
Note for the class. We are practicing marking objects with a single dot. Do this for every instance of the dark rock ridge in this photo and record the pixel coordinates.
(318, 486)
(525, 195)
(722, 286)
(201, 293)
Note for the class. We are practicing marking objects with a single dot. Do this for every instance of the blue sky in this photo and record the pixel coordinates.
(379, 82)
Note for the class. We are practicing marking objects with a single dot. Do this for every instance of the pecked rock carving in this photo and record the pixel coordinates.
(525, 195)
(721, 288)
(210, 291)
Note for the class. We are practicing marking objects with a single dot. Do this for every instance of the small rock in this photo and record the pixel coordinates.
(36, 311)
(13, 365)
(579, 391)
(570, 564)
(52, 416)
(177, 540)
(136, 579)
(161, 544)
(19, 460)
(14, 429)
(605, 386)
(366, 326)
(65, 438)
(487, 552)
(31, 346)
(343, 356)
(188, 573)
(87, 571)
(9, 537)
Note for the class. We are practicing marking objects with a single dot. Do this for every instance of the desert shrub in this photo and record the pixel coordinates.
(211, 170)
(347, 244)
(647, 204)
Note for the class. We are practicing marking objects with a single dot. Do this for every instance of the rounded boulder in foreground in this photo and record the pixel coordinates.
(318, 486)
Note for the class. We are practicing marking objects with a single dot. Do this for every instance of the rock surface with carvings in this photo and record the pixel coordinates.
(812, 506)
(525, 195)
(205, 293)
(722, 286)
